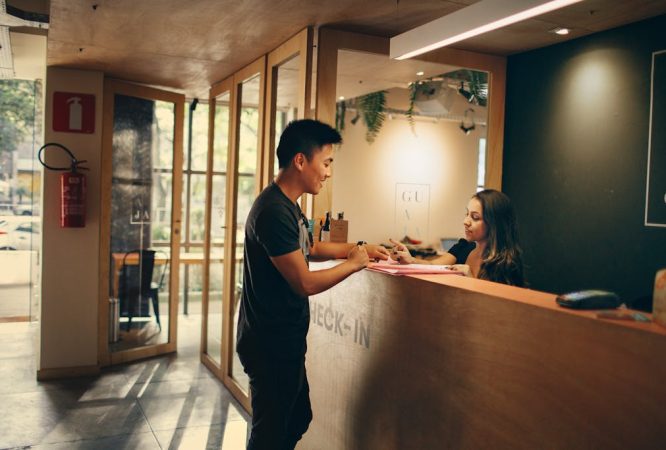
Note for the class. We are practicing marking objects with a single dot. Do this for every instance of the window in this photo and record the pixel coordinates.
(481, 169)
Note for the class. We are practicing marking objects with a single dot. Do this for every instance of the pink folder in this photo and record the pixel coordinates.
(394, 268)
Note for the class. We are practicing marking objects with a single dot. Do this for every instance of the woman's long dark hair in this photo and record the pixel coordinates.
(502, 260)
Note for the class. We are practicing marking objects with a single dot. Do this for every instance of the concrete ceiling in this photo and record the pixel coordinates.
(190, 45)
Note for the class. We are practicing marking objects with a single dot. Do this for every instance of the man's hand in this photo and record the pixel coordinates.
(358, 256)
(377, 252)
(401, 253)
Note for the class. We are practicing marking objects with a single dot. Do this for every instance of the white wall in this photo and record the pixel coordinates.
(439, 154)
(70, 261)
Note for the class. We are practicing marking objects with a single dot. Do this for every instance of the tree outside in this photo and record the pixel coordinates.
(17, 112)
(20, 121)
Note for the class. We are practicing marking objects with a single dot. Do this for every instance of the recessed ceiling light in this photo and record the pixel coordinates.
(419, 73)
(560, 30)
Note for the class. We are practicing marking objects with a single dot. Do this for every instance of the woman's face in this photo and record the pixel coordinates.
(475, 227)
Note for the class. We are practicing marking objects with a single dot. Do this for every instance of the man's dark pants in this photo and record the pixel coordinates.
(281, 409)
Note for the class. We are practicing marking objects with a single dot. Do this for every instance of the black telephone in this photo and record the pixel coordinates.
(589, 299)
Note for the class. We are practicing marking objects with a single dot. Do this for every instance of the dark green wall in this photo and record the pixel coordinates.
(575, 161)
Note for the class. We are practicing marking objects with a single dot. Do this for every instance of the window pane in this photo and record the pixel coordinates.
(221, 145)
(286, 107)
(247, 169)
(217, 229)
(162, 144)
(197, 207)
(199, 138)
(217, 211)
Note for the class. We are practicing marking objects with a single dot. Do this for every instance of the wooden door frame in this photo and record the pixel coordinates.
(330, 41)
(216, 90)
(256, 67)
(111, 88)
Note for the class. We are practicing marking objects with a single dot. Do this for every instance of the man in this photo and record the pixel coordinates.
(274, 313)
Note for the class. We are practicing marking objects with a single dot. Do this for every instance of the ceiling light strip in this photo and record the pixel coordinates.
(476, 19)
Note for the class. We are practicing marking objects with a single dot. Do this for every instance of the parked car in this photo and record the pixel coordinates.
(19, 209)
(19, 233)
(6, 208)
(26, 209)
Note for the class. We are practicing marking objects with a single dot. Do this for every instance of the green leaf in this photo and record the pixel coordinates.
(17, 112)
(373, 111)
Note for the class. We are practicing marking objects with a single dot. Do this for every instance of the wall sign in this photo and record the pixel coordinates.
(655, 192)
(412, 210)
(73, 113)
(140, 211)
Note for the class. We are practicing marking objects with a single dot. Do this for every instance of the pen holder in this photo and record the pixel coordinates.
(659, 298)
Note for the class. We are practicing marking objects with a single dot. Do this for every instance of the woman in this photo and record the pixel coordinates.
(490, 247)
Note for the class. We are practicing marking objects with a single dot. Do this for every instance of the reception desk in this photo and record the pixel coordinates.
(447, 362)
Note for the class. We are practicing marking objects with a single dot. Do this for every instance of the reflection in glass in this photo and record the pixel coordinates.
(141, 192)
(247, 185)
(194, 206)
(197, 207)
(216, 274)
(286, 108)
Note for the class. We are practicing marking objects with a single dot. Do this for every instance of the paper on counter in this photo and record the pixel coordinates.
(395, 268)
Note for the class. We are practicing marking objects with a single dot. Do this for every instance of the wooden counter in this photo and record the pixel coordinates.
(446, 362)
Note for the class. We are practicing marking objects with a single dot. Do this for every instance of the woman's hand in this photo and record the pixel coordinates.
(400, 253)
(377, 252)
(464, 268)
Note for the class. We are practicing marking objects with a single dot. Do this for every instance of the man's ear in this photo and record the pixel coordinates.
(299, 161)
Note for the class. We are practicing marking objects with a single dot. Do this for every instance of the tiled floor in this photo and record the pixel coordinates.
(170, 402)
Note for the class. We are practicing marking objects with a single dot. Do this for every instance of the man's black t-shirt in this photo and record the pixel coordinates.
(273, 319)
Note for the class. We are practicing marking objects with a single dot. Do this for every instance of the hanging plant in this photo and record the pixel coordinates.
(479, 86)
(473, 85)
(423, 88)
(340, 110)
(413, 91)
(373, 111)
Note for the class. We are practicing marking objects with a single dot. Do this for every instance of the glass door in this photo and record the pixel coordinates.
(216, 182)
(243, 185)
(242, 140)
(142, 167)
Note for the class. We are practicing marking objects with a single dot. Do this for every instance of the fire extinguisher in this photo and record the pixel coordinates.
(72, 189)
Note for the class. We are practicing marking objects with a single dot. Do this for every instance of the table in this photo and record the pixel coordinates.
(161, 257)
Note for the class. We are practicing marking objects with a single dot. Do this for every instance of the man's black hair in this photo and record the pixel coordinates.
(304, 136)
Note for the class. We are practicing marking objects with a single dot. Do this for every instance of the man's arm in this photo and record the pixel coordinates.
(335, 250)
(293, 268)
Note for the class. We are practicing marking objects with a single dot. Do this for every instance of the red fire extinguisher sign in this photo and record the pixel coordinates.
(73, 113)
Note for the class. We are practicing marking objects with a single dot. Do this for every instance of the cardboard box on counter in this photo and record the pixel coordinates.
(339, 230)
